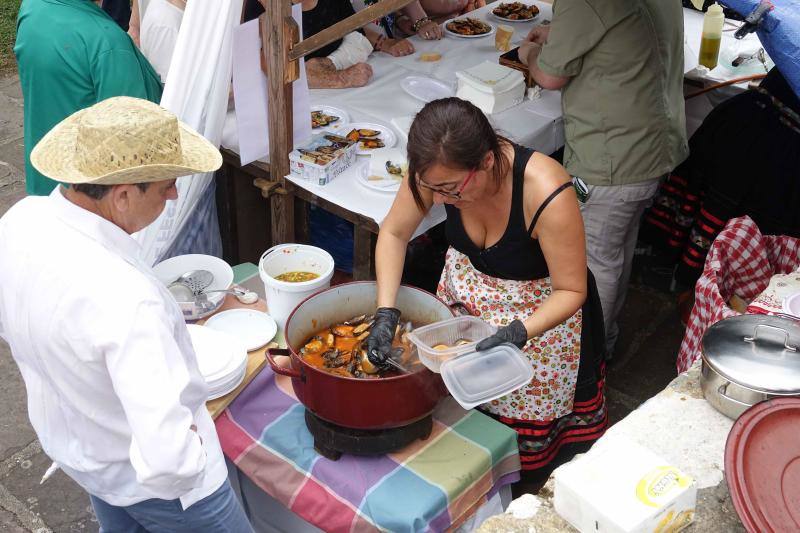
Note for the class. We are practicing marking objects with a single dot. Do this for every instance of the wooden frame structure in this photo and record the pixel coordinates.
(282, 49)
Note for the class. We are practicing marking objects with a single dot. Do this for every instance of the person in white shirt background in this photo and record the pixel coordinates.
(114, 392)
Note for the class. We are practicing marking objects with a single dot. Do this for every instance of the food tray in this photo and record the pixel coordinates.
(448, 332)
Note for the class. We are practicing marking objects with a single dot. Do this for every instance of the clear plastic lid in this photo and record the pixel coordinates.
(479, 377)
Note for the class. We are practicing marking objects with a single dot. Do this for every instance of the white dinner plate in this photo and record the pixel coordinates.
(426, 89)
(386, 185)
(229, 387)
(344, 117)
(253, 328)
(387, 134)
(498, 17)
(454, 34)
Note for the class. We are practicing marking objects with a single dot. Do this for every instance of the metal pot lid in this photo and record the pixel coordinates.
(759, 352)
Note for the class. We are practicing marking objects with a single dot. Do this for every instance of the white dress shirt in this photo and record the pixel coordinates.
(112, 380)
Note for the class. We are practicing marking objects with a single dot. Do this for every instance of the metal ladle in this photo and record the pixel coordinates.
(246, 297)
(194, 280)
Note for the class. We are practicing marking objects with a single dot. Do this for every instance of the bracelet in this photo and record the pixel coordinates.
(418, 24)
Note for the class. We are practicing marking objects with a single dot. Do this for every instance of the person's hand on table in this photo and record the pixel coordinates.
(430, 31)
(538, 34)
(379, 342)
(515, 333)
(395, 47)
(473, 5)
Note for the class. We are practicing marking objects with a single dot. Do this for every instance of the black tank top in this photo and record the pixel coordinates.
(516, 255)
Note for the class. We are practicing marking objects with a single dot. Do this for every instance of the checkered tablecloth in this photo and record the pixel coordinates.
(741, 262)
(430, 485)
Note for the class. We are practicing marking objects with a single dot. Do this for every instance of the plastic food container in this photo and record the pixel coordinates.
(449, 333)
(491, 87)
(479, 377)
(323, 158)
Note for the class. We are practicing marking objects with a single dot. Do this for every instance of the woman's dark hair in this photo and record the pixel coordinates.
(452, 132)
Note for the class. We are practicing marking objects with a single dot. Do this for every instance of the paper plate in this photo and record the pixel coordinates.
(387, 185)
(762, 466)
(228, 387)
(344, 117)
(253, 328)
(387, 134)
(791, 305)
(426, 89)
(454, 34)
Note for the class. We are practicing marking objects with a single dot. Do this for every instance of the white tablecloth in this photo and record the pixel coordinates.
(534, 123)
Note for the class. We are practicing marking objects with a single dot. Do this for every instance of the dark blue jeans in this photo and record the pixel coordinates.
(218, 513)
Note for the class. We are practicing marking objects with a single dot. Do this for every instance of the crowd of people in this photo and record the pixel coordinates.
(538, 247)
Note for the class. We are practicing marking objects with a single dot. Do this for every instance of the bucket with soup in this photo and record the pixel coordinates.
(291, 273)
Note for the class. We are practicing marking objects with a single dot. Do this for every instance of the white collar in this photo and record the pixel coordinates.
(95, 227)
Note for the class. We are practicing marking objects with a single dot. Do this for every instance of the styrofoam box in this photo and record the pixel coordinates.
(623, 488)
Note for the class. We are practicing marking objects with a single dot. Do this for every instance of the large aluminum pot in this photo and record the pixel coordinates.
(748, 359)
(360, 403)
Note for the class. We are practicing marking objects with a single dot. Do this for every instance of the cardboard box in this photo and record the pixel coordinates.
(624, 488)
(326, 156)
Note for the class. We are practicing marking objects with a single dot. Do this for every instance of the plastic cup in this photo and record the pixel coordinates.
(502, 39)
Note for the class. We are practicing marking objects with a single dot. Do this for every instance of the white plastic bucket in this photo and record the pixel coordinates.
(284, 296)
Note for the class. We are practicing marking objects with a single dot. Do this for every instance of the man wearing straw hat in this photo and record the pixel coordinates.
(114, 392)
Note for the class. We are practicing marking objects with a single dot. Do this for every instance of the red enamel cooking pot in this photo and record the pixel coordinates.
(360, 403)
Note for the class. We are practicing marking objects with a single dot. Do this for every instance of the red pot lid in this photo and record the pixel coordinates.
(762, 466)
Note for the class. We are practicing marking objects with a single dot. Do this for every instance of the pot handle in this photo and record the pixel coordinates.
(788, 347)
(723, 392)
(290, 372)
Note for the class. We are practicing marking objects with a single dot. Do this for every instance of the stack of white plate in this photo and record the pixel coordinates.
(221, 358)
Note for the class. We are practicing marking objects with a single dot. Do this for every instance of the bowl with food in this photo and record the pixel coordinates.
(291, 273)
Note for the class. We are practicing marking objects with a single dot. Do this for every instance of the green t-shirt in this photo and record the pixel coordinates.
(71, 55)
(624, 118)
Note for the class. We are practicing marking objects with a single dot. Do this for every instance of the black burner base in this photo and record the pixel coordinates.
(331, 441)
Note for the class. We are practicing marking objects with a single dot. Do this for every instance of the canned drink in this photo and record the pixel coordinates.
(581, 189)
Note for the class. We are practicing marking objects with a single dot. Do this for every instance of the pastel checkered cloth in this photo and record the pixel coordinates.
(741, 262)
(430, 485)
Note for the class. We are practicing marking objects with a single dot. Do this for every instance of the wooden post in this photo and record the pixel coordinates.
(276, 45)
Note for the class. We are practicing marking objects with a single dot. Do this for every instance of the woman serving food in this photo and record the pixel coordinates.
(517, 260)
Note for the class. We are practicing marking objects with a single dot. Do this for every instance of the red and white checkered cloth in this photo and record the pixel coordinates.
(741, 261)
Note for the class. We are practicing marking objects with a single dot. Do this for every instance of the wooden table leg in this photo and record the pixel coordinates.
(363, 253)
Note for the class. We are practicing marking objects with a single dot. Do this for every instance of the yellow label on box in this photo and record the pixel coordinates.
(654, 489)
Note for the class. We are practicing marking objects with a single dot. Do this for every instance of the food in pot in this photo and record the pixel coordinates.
(468, 26)
(297, 276)
(320, 119)
(515, 11)
(340, 350)
(459, 342)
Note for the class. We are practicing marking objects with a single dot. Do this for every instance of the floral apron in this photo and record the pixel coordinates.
(554, 355)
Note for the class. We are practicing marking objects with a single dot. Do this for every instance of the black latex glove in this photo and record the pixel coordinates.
(515, 333)
(379, 342)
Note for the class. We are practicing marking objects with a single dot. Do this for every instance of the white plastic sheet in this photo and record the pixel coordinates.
(196, 91)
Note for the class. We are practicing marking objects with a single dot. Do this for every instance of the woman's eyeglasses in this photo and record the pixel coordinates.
(447, 194)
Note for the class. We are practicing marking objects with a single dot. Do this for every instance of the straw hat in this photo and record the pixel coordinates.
(123, 140)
